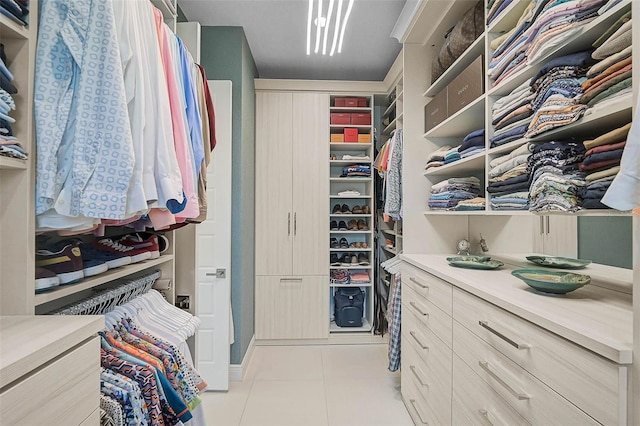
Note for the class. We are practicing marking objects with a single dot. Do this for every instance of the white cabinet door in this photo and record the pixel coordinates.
(556, 235)
(291, 308)
(274, 215)
(310, 183)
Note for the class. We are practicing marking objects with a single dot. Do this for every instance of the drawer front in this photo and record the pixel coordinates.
(433, 289)
(415, 402)
(66, 391)
(432, 351)
(435, 389)
(531, 398)
(474, 402)
(594, 384)
(428, 314)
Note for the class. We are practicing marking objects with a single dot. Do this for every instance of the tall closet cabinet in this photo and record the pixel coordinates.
(292, 180)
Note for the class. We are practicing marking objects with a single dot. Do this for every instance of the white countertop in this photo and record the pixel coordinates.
(27, 342)
(596, 318)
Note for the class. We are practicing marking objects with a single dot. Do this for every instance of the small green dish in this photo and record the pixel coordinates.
(551, 281)
(559, 262)
(474, 262)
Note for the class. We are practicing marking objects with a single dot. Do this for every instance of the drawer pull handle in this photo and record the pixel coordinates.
(520, 395)
(413, 402)
(424, 314)
(413, 334)
(415, 373)
(420, 284)
(492, 419)
(485, 324)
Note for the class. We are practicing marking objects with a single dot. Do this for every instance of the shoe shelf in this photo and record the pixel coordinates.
(350, 249)
(8, 163)
(351, 267)
(111, 275)
(349, 232)
(391, 250)
(348, 197)
(366, 325)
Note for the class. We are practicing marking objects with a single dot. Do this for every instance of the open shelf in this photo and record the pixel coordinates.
(350, 126)
(349, 232)
(455, 213)
(10, 29)
(350, 285)
(349, 146)
(472, 164)
(392, 126)
(390, 108)
(350, 179)
(348, 215)
(111, 275)
(349, 197)
(366, 326)
(389, 249)
(473, 51)
(508, 18)
(582, 40)
(367, 267)
(463, 122)
(350, 109)
(7, 163)
(348, 162)
(166, 7)
(507, 147)
(350, 250)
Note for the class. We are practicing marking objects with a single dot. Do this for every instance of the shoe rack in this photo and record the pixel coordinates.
(351, 219)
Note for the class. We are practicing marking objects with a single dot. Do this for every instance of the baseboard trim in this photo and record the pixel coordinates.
(237, 372)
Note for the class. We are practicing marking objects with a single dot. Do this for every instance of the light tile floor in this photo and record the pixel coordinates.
(312, 385)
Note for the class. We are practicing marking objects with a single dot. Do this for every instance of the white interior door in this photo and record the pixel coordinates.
(214, 252)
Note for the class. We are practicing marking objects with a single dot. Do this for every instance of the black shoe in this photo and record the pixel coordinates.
(337, 209)
(363, 259)
(333, 226)
(333, 243)
(346, 260)
(342, 226)
(345, 209)
(344, 243)
(335, 260)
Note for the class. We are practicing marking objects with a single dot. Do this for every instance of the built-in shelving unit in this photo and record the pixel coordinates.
(364, 186)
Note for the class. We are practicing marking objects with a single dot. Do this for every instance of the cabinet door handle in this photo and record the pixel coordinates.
(415, 373)
(420, 284)
(485, 324)
(520, 395)
(289, 223)
(491, 418)
(295, 223)
(413, 402)
(548, 223)
(413, 334)
(541, 225)
(424, 314)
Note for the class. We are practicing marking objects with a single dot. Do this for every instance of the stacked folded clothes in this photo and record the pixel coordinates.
(611, 76)
(556, 86)
(509, 180)
(9, 144)
(356, 170)
(602, 163)
(495, 8)
(436, 158)
(472, 144)
(359, 276)
(542, 28)
(447, 194)
(17, 10)
(473, 204)
(511, 115)
(452, 155)
(555, 176)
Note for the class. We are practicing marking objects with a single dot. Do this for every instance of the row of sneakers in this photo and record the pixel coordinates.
(334, 243)
(69, 261)
(344, 209)
(349, 260)
(353, 225)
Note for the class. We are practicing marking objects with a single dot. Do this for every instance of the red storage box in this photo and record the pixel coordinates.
(351, 135)
(340, 118)
(361, 119)
(362, 102)
(339, 102)
(351, 102)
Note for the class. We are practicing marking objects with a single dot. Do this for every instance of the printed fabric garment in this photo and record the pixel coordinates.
(393, 200)
(135, 409)
(106, 419)
(557, 111)
(395, 322)
(113, 410)
(143, 377)
(83, 135)
(122, 396)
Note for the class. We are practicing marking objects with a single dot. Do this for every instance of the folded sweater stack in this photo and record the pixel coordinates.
(555, 177)
(509, 180)
(543, 27)
(511, 115)
(611, 76)
(602, 163)
(447, 194)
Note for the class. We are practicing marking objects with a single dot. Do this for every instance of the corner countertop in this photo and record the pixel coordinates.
(596, 318)
(28, 342)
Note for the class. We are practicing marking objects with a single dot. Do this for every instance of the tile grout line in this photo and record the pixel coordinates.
(324, 384)
(246, 401)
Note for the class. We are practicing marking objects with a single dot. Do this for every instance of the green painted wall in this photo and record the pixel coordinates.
(606, 240)
(226, 55)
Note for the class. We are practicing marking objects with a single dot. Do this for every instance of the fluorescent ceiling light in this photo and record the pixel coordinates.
(337, 28)
(326, 27)
(344, 25)
(323, 23)
(318, 26)
(309, 18)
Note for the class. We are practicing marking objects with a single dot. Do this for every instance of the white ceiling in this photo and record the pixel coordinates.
(277, 31)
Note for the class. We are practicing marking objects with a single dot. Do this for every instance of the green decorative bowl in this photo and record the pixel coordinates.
(551, 281)
(559, 262)
(474, 262)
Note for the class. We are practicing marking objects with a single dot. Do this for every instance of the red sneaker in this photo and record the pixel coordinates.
(138, 242)
(108, 245)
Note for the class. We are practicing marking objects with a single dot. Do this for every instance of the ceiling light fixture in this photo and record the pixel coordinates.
(324, 23)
